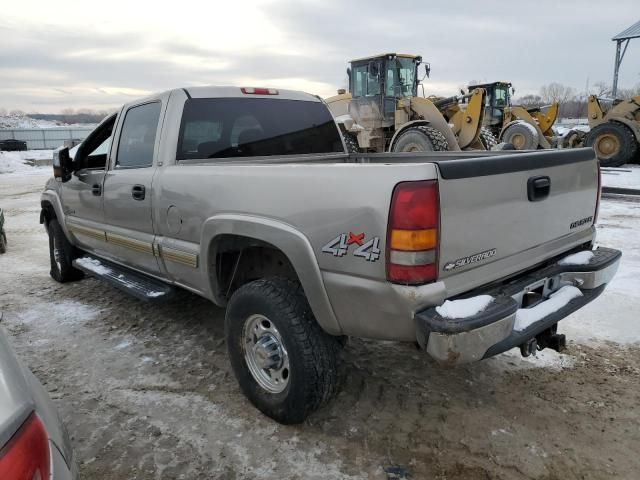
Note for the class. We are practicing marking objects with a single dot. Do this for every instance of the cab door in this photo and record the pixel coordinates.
(82, 194)
(127, 187)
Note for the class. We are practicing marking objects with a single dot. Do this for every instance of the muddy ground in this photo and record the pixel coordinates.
(147, 392)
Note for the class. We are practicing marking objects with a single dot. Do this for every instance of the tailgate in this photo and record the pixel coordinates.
(511, 206)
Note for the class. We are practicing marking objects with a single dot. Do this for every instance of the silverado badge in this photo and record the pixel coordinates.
(464, 261)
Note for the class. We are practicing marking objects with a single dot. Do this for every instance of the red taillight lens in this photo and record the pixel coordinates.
(26, 455)
(595, 215)
(259, 91)
(412, 236)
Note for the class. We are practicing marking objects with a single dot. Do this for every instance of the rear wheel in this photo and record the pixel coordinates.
(61, 254)
(420, 139)
(613, 143)
(487, 139)
(286, 365)
(521, 135)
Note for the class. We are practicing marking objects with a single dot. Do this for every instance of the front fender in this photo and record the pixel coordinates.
(285, 238)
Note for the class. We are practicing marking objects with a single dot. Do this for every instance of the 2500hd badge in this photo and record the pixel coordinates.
(464, 261)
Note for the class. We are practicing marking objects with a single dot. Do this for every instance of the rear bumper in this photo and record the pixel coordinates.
(490, 332)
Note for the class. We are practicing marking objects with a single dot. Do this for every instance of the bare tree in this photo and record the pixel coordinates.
(3, 112)
(601, 89)
(529, 101)
(556, 92)
(17, 113)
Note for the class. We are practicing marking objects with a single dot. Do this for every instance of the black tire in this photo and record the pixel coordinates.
(3, 243)
(521, 135)
(573, 139)
(614, 144)
(420, 139)
(61, 254)
(487, 139)
(312, 354)
(351, 142)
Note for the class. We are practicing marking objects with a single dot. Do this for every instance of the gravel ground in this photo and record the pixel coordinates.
(147, 392)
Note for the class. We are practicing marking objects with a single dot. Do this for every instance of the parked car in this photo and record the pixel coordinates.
(33, 442)
(247, 197)
(11, 145)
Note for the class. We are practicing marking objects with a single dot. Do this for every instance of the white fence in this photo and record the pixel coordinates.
(46, 138)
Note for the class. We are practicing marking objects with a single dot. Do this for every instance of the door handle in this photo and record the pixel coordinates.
(96, 189)
(538, 188)
(138, 192)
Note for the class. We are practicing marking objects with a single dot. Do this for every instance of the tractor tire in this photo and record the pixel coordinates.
(521, 135)
(420, 139)
(61, 253)
(573, 139)
(286, 365)
(351, 142)
(614, 144)
(488, 140)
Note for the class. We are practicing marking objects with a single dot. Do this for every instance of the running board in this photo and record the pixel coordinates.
(134, 283)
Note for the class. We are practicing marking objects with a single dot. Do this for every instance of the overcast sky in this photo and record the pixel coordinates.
(73, 54)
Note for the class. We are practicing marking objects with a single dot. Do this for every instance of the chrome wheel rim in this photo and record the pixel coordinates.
(265, 353)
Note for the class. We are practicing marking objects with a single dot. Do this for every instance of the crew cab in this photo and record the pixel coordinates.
(247, 197)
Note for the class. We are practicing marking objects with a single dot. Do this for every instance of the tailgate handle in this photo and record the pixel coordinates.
(538, 188)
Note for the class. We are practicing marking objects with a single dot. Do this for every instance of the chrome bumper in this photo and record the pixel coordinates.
(457, 341)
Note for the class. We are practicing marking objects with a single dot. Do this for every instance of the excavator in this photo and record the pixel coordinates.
(614, 131)
(524, 128)
(382, 111)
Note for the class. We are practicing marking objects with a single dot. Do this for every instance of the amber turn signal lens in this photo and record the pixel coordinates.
(414, 240)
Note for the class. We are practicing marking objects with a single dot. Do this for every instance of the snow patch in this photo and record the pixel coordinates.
(93, 265)
(580, 258)
(15, 162)
(528, 316)
(464, 308)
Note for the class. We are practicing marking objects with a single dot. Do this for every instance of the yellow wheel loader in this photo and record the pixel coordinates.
(524, 128)
(614, 133)
(382, 111)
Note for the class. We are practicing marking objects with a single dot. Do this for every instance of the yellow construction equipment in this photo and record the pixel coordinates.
(614, 132)
(383, 112)
(524, 128)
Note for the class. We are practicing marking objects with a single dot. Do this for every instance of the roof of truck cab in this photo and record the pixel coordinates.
(236, 92)
(403, 55)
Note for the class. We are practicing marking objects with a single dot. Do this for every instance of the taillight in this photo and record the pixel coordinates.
(412, 236)
(26, 455)
(595, 215)
(259, 91)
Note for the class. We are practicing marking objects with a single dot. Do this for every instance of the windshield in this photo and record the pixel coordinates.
(401, 78)
(502, 96)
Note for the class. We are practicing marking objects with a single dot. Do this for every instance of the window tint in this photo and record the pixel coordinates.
(138, 136)
(245, 127)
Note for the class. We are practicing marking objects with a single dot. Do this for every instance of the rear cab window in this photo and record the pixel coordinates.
(248, 127)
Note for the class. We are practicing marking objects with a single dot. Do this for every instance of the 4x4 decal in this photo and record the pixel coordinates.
(339, 246)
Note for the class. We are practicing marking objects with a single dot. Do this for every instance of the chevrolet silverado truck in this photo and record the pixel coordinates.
(247, 197)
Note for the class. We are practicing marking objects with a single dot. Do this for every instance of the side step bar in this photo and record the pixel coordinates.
(137, 284)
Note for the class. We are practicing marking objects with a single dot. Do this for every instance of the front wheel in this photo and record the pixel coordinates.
(614, 144)
(286, 365)
(420, 139)
(61, 254)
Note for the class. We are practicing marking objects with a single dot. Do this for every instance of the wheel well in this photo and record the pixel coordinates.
(47, 213)
(236, 260)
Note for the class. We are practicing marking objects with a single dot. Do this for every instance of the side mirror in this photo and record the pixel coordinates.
(62, 164)
(427, 69)
(349, 73)
(513, 91)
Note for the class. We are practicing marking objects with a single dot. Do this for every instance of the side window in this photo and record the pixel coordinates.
(138, 136)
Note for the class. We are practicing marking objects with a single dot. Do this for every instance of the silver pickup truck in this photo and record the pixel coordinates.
(246, 197)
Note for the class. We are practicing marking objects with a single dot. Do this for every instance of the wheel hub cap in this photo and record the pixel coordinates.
(265, 354)
(607, 146)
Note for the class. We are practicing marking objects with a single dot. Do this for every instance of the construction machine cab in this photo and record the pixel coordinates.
(498, 98)
(380, 81)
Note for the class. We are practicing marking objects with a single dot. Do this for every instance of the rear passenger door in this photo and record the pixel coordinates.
(127, 187)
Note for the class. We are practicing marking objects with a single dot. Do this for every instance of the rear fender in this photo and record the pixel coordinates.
(520, 113)
(285, 238)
